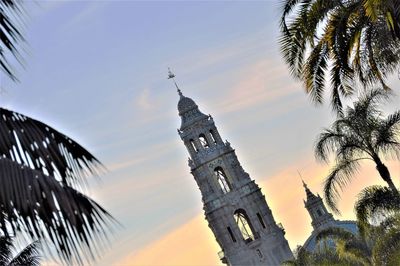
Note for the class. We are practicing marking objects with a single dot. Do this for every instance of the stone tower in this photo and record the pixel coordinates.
(234, 207)
(320, 217)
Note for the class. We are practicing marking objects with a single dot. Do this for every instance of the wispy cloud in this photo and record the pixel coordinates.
(255, 88)
(84, 17)
(144, 101)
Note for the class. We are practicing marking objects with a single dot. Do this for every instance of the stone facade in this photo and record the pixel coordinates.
(322, 219)
(234, 206)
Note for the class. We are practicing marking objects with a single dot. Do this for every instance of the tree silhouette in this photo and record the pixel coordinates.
(362, 133)
(42, 171)
(356, 40)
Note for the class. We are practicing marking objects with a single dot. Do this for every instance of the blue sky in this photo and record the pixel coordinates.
(97, 71)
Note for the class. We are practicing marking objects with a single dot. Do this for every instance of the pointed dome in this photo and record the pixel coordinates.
(188, 111)
(310, 196)
(185, 104)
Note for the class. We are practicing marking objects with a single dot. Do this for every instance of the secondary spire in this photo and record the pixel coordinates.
(302, 180)
(172, 76)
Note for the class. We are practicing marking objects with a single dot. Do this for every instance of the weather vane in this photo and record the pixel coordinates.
(172, 76)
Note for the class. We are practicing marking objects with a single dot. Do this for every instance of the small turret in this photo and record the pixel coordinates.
(317, 210)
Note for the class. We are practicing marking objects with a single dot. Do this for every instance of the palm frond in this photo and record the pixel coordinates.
(335, 233)
(387, 247)
(348, 245)
(28, 256)
(374, 201)
(302, 258)
(368, 103)
(338, 178)
(5, 250)
(326, 143)
(39, 146)
(388, 137)
(314, 72)
(44, 208)
(359, 46)
(287, 7)
(10, 34)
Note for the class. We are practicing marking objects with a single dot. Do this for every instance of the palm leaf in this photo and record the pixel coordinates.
(338, 178)
(387, 247)
(374, 201)
(361, 44)
(387, 135)
(41, 147)
(5, 250)
(348, 245)
(44, 208)
(10, 35)
(28, 256)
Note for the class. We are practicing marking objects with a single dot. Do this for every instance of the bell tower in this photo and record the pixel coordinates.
(234, 206)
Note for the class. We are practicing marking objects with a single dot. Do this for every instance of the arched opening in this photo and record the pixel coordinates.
(204, 141)
(212, 134)
(222, 179)
(245, 227)
(193, 145)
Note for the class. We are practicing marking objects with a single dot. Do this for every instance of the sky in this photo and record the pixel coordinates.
(97, 71)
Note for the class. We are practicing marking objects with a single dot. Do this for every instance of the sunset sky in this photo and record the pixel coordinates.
(97, 71)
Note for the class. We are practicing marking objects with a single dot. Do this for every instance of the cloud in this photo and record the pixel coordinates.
(144, 100)
(148, 153)
(83, 17)
(254, 88)
(238, 50)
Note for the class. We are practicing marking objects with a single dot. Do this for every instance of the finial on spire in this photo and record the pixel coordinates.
(304, 183)
(172, 76)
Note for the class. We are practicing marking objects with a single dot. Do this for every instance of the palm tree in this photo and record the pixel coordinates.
(348, 245)
(42, 171)
(374, 202)
(325, 256)
(379, 245)
(27, 256)
(387, 247)
(301, 258)
(353, 40)
(361, 133)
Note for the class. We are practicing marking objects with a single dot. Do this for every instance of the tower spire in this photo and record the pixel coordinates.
(302, 180)
(172, 76)
(309, 194)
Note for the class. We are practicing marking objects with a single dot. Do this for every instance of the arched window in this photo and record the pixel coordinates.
(222, 179)
(212, 134)
(194, 145)
(204, 141)
(244, 225)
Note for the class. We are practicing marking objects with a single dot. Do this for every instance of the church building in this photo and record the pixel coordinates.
(234, 206)
(322, 219)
